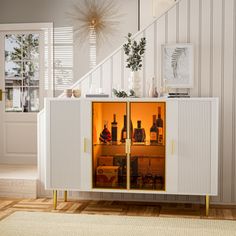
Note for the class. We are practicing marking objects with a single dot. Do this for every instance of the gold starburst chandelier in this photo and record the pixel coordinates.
(100, 16)
(94, 21)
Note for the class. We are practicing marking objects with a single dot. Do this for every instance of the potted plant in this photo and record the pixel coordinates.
(135, 53)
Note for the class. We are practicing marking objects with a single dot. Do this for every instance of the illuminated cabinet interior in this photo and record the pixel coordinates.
(128, 146)
(108, 157)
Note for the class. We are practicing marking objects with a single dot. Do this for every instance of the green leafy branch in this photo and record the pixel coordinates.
(135, 52)
(123, 94)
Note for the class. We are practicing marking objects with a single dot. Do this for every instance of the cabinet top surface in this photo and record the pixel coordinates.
(162, 99)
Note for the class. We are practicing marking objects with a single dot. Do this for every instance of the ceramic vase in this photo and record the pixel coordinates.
(152, 92)
(135, 83)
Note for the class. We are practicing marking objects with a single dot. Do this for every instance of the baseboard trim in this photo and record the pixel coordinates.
(144, 198)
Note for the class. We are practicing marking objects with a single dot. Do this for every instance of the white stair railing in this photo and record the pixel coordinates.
(112, 71)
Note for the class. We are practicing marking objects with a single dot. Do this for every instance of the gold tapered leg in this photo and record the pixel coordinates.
(65, 196)
(54, 199)
(207, 204)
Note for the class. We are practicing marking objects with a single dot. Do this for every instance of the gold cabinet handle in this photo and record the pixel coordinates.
(172, 147)
(1, 92)
(127, 146)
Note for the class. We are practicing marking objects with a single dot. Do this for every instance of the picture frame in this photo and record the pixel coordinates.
(177, 65)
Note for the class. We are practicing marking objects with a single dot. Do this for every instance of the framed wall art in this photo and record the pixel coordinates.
(177, 65)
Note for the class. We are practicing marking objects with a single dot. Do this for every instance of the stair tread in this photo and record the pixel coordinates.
(20, 172)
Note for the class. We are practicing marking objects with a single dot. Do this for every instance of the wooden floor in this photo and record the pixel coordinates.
(8, 206)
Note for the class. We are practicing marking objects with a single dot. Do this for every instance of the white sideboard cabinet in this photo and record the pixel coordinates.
(106, 145)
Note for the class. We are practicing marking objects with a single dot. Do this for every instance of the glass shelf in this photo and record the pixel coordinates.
(149, 156)
(147, 144)
(109, 144)
(132, 144)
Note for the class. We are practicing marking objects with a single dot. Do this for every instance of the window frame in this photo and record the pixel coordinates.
(40, 62)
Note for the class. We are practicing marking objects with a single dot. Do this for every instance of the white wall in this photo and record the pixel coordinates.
(146, 13)
(129, 23)
(30, 11)
(150, 9)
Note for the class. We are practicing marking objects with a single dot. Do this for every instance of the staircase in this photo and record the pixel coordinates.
(18, 181)
(112, 72)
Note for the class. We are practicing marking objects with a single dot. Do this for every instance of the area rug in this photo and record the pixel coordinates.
(58, 224)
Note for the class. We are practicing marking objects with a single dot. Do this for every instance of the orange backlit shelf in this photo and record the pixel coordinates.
(149, 156)
(132, 144)
(147, 144)
(109, 144)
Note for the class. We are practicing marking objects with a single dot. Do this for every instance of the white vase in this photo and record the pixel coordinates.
(152, 91)
(135, 83)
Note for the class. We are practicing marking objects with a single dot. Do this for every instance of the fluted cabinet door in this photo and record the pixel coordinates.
(172, 130)
(86, 144)
(63, 144)
(195, 147)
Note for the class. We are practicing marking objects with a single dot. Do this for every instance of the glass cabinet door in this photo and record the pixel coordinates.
(109, 153)
(147, 156)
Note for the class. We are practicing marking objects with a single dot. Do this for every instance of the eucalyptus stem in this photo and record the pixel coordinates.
(135, 52)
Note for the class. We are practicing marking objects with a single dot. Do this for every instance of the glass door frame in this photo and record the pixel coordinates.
(128, 145)
(124, 144)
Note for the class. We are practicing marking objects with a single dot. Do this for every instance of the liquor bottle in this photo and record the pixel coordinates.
(154, 131)
(131, 129)
(114, 129)
(139, 133)
(158, 182)
(124, 130)
(105, 135)
(159, 124)
(148, 178)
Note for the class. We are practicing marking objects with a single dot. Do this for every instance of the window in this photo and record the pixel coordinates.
(63, 64)
(22, 72)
